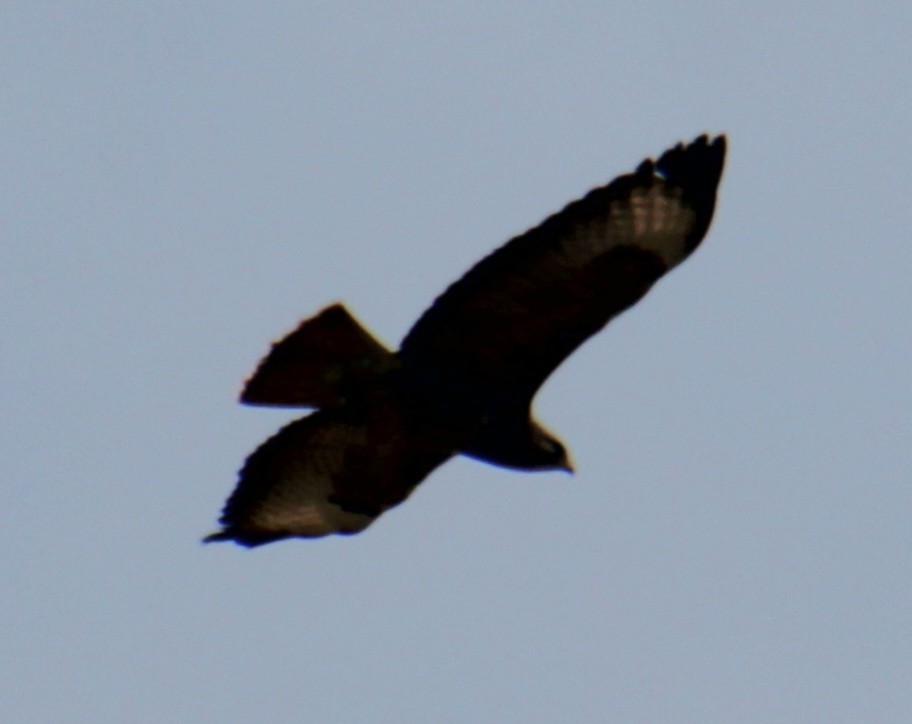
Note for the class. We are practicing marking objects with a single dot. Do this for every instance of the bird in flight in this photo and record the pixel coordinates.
(463, 379)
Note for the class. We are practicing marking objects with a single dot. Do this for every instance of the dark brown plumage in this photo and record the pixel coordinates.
(465, 375)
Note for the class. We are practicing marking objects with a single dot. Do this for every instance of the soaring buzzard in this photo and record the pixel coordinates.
(464, 377)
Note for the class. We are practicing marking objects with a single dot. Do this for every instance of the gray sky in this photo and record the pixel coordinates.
(181, 185)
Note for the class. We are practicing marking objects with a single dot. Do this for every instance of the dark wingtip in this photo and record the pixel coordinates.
(248, 540)
(699, 162)
(645, 169)
(216, 537)
(696, 168)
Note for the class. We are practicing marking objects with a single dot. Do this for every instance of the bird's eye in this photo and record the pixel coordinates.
(554, 447)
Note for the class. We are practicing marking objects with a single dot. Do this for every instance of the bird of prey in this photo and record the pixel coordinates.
(463, 379)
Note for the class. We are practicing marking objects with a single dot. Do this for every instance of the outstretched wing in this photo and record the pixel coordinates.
(521, 311)
(326, 473)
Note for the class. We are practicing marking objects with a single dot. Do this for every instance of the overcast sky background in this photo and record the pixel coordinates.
(181, 183)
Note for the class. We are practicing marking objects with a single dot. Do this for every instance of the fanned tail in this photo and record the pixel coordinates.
(321, 363)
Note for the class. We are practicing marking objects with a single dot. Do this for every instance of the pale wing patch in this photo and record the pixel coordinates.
(298, 503)
(653, 219)
(306, 510)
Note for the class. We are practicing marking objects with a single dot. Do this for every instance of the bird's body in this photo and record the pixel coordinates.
(464, 377)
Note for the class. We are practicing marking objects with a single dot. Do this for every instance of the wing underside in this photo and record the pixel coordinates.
(519, 312)
(328, 473)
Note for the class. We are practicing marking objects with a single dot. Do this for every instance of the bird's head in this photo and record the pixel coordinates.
(551, 452)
